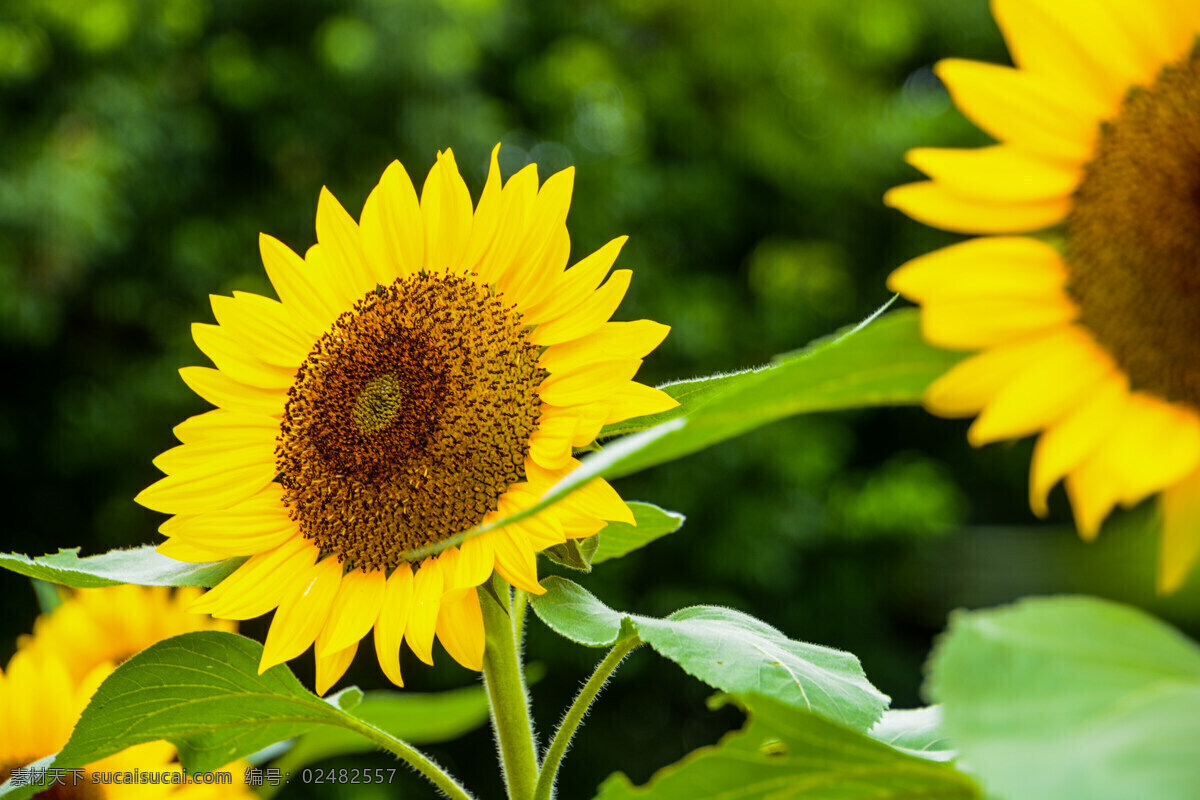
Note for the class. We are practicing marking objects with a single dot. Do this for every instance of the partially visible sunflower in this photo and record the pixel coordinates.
(1094, 344)
(39, 705)
(428, 370)
(94, 626)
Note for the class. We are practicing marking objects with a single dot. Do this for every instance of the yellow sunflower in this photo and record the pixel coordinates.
(1093, 343)
(94, 626)
(427, 370)
(39, 705)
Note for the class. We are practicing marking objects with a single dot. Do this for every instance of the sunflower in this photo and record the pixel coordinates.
(110, 624)
(427, 371)
(1090, 332)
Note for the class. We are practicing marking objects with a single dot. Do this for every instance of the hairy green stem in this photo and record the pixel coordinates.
(415, 759)
(576, 713)
(507, 696)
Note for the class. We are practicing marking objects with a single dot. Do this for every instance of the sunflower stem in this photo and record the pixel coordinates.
(420, 762)
(575, 714)
(507, 695)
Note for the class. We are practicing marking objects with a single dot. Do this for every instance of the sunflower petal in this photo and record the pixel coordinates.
(224, 392)
(331, 668)
(341, 242)
(460, 629)
(301, 614)
(392, 234)
(446, 213)
(476, 559)
(994, 321)
(257, 586)
(576, 284)
(393, 619)
(305, 293)
(428, 588)
(354, 611)
(588, 383)
(588, 315)
(999, 173)
(264, 328)
(515, 559)
(637, 400)
(939, 206)
(612, 340)
(1179, 542)
(991, 266)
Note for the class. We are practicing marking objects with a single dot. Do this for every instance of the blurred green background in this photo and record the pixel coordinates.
(744, 147)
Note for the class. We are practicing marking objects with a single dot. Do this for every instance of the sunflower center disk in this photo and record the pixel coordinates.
(409, 419)
(1134, 235)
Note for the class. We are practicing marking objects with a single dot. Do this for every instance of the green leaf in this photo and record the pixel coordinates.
(786, 753)
(691, 394)
(620, 539)
(415, 718)
(917, 731)
(574, 553)
(724, 648)
(1071, 697)
(140, 565)
(202, 692)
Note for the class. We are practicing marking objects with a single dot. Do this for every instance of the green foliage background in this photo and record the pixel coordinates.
(744, 147)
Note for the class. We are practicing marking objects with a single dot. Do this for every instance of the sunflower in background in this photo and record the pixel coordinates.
(94, 626)
(57, 669)
(427, 370)
(1095, 343)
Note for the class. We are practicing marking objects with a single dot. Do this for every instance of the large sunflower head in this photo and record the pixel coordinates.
(108, 625)
(426, 371)
(1090, 332)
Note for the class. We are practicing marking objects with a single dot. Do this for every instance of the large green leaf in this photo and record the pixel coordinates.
(724, 648)
(1071, 697)
(140, 565)
(620, 539)
(783, 752)
(202, 692)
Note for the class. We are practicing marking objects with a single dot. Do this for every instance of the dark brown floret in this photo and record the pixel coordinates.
(409, 420)
(1134, 236)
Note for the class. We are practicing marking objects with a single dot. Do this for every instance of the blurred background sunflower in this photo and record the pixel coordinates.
(744, 149)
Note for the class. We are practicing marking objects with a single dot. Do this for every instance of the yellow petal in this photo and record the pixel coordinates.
(1000, 173)
(354, 611)
(516, 206)
(576, 284)
(547, 219)
(426, 598)
(227, 426)
(185, 550)
(515, 559)
(264, 328)
(393, 619)
(1076, 436)
(392, 234)
(341, 242)
(305, 293)
(259, 523)
(1056, 380)
(216, 454)
(591, 418)
(588, 383)
(476, 559)
(991, 266)
(446, 213)
(460, 630)
(1179, 542)
(206, 488)
(224, 392)
(636, 400)
(588, 315)
(975, 323)
(550, 442)
(937, 205)
(1026, 110)
(302, 613)
(612, 340)
(331, 668)
(488, 214)
(1154, 445)
(598, 499)
(968, 386)
(257, 586)
(1077, 43)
